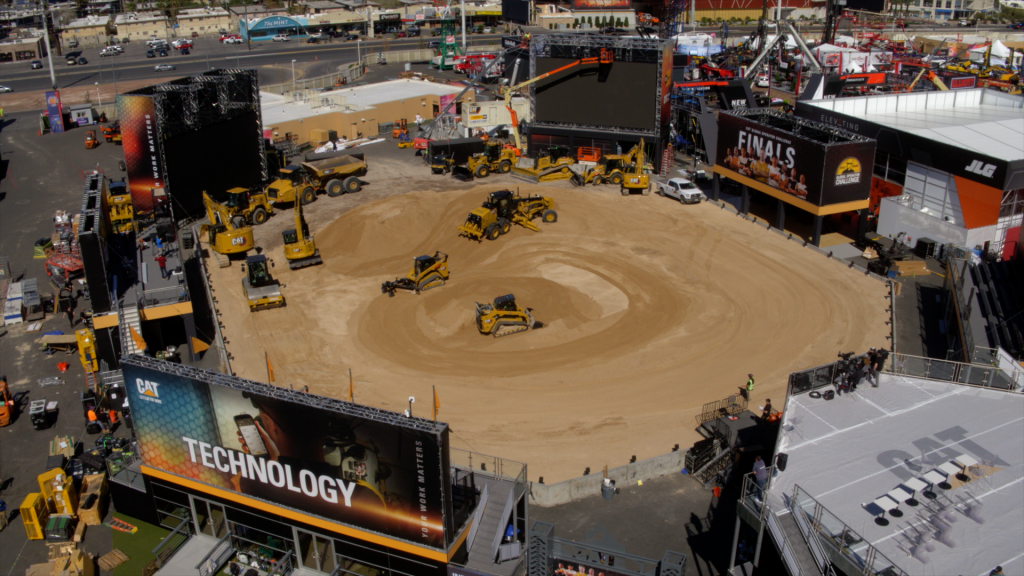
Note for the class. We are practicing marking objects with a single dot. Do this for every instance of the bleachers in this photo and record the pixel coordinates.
(1000, 299)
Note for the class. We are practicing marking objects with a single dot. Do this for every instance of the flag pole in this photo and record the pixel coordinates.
(351, 390)
(434, 390)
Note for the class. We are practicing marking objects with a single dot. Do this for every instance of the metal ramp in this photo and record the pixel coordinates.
(483, 553)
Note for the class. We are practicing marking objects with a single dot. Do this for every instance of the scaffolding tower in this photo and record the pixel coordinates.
(675, 18)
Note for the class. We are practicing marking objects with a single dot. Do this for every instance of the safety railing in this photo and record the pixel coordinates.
(831, 540)
(172, 542)
(162, 296)
(349, 75)
(216, 557)
(954, 372)
(498, 468)
(753, 496)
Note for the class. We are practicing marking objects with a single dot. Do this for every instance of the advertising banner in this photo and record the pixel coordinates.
(370, 472)
(562, 567)
(666, 84)
(790, 164)
(141, 140)
(601, 5)
(55, 112)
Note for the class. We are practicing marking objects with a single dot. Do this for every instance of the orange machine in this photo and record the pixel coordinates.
(90, 140)
(400, 127)
(7, 408)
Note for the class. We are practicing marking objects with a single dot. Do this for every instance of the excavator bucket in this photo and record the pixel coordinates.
(462, 173)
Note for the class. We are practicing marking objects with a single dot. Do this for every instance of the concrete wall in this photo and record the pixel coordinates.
(570, 490)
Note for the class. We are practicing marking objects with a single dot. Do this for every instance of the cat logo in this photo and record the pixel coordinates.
(148, 390)
(848, 172)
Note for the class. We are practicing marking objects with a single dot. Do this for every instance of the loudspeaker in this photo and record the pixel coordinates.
(780, 461)
(829, 394)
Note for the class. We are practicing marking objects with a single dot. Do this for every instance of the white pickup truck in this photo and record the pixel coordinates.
(681, 189)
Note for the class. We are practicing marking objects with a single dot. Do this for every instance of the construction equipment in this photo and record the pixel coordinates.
(111, 130)
(494, 158)
(605, 57)
(299, 249)
(86, 341)
(932, 76)
(404, 140)
(335, 176)
(400, 127)
(504, 208)
(7, 403)
(261, 290)
(90, 140)
(246, 207)
(427, 272)
(223, 236)
(637, 174)
(122, 211)
(556, 165)
(608, 170)
(504, 317)
(441, 164)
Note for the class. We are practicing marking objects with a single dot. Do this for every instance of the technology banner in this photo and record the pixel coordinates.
(362, 472)
(821, 174)
(141, 140)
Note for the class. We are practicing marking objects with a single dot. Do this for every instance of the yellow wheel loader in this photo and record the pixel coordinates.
(504, 208)
(261, 290)
(494, 158)
(223, 237)
(427, 272)
(299, 249)
(503, 318)
(247, 208)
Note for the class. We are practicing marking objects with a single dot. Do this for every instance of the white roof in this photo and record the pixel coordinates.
(847, 452)
(88, 21)
(129, 17)
(985, 121)
(277, 108)
(192, 12)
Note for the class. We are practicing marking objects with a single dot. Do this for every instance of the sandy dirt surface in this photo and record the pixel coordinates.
(650, 310)
(20, 101)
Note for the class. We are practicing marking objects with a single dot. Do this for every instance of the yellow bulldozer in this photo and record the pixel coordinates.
(246, 207)
(299, 249)
(636, 172)
(556, 165)
(223, 236)
(261, 289)
(504, 208)
(494, 158)
(504, 317)
(427, 272)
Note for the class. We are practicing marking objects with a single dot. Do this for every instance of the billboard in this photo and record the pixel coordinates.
(367, 468)
(140, 137)
(55, 112)
(602, 5)
(620, 95)
(831, 169)
(573, 567)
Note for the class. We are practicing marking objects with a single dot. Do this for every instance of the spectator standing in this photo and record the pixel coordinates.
(3, 515)
(161, 261)
(760, 475)
(766, 412)
(872, 360)
(880, 359)
(750, 387)
(997, 571)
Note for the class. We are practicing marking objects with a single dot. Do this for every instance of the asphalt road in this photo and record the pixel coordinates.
(271, 59)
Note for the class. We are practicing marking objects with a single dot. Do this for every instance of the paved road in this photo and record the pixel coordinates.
(273, 60)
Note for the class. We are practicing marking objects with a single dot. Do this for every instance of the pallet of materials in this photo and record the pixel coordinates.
(112, 559)
(63, 445)
(93, 499)
(911, 268)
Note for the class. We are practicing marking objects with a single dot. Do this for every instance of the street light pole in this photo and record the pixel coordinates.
(49, 51)
(293, 76)
(359, 53)
(99, 98)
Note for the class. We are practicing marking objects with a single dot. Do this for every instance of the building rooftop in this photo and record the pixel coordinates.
(193, 12)
(278, 108)
(88, 21)
(846, 453)
(251, 10)
(982, 120)
(130, 17)
(325, 5)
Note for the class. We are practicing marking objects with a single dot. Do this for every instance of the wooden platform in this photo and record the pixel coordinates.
(112, 559)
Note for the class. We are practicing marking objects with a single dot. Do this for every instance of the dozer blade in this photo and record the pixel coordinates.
(304, 262)
(525, 174)
(577, 180)
(462, 173)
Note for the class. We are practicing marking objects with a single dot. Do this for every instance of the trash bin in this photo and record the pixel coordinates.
(608, 489)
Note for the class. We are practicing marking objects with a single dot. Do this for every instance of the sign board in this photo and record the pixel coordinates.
(367, 468)
(601, 5)
(390, 17)
(140, 138)
(787, 164)
(55, 112)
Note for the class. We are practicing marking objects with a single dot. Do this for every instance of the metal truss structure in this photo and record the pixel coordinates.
(817, 131)
(278, 393)
(575, 46)
(675, 13)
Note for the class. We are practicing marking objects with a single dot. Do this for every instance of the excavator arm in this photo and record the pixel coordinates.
(216, 212)
(604, 57)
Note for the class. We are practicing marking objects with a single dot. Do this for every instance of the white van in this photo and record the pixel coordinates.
(281, 38)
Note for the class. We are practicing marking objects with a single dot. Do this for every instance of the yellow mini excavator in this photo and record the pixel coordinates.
(636, 173)
(427, 272)
(504, 317)
(504, 208)
(261, 290)
(299, 249)
(224, 238)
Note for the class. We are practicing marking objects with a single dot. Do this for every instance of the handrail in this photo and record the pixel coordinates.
(224, 539)
(965, 374)
(159, 554)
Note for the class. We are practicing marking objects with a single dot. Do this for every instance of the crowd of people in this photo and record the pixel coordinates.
(868, 367)
(745, 162)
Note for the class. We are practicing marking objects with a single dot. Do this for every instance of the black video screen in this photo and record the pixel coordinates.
(619, 95)
(516, 11)
(214, 158)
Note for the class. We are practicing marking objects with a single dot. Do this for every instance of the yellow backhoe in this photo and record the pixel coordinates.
(299, 249)
(224, 237)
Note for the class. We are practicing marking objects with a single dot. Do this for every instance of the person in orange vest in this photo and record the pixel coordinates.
(90, 414)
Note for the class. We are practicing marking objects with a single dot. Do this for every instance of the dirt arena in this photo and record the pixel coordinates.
(650, 310)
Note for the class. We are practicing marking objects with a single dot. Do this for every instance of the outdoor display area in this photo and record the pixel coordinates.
(649, 310)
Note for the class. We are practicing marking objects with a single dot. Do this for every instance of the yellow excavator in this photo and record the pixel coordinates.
(504, 208)
(604, 58)
(427, 272)
(636, 173)
(224, 237)
(504, 317)
(299, 249)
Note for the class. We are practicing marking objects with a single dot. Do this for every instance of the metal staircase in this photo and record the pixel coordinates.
(129, 317)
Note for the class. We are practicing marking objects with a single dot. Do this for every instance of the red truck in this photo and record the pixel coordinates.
(471, 62)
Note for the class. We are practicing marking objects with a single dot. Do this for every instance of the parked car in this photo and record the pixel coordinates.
(163, 67)
(412, 31)
(762, 81)
(163, 53)
(73, 44)
(681, 189)
(36, 64)
(434, 44)
(82, 61)
(71, 61)
(487, 30)
(222, 31)
(109, 51)
(6, 89)
(400, 34)
(964, 22)
(185, 51)
(232, 40)
(150, 54)
(281, 38)
(195, 34)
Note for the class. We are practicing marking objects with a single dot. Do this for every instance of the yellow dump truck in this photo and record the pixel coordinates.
(334, 176)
